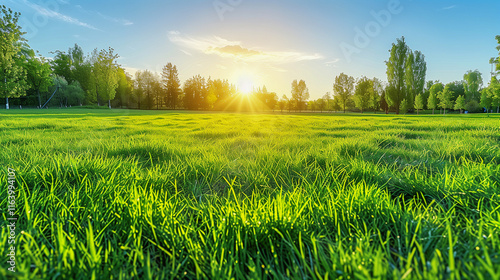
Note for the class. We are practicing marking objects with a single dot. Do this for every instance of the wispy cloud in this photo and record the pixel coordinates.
(449, 7)
(235, 49)
(121, 21)
(56, 15)
(187, 53)
(332, 62)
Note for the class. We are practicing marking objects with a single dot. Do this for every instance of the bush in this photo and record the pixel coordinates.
(473, 107)
(91, 107)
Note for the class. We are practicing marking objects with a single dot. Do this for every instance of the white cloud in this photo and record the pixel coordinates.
(186, 52)
(235, 49)
(53, 14)
(332, 62)
(121, 21)
(449, 7)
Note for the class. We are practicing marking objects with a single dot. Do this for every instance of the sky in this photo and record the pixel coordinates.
(253, 43)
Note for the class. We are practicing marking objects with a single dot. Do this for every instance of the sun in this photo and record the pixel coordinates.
(245, 84)
(246, 80)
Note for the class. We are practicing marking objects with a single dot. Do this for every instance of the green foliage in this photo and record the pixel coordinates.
(265, 100)
(172, 85)
(105, 74)
(473, 107)
(406, 72)
(300, 93)
(363, 92)
(12, 74)
(444, 97)
(419, 102)
(39, 75)
(195, 92)
(403, 107)
(125, 89)
(67, 94)
(493, 93)
(472, 84)
(396, 73)
(434, 92)
(109, 194)
(460, 103)
(376, 94)
(343, 90)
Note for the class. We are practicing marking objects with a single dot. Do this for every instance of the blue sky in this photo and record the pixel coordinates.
(273, 42)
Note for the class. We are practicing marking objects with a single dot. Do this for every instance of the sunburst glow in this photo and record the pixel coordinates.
(245, 84)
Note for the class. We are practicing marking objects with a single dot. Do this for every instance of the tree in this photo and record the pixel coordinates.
(320, 104)
(419, 72)
(212, 94)
(283, 102)
(486, 99)
(473, 82)
(376, 94)
(12, 75)
(300, 93)
(171, 84)
(363, 92)
(494, 93)
(81, 68)
(434, 92)
(396, 68)
(157, 91)
(383, 103)
(445, 99)
(195, 91)
(427, 89)
(124, 89)
(498, 58)
(139, 87)
(105, 76)
(416, 69)
(327, 99)
(39, 75)
(410, 79)
(460, 103)
(403, 107)
(419, 102)
(61, 65)
(146, 87)
(343, 88)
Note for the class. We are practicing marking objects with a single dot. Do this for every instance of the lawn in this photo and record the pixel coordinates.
(158, 195)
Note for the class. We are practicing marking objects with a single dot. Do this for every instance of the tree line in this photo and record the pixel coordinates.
(72, 78)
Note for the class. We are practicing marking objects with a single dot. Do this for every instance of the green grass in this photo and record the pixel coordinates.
(163, 195)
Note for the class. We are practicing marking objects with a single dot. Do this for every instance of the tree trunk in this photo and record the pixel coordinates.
(433, 111)
(109, 103)
(97, 97)
(6, 98)
(39, 98)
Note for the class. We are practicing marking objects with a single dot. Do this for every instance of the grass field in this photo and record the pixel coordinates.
(161, 195)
